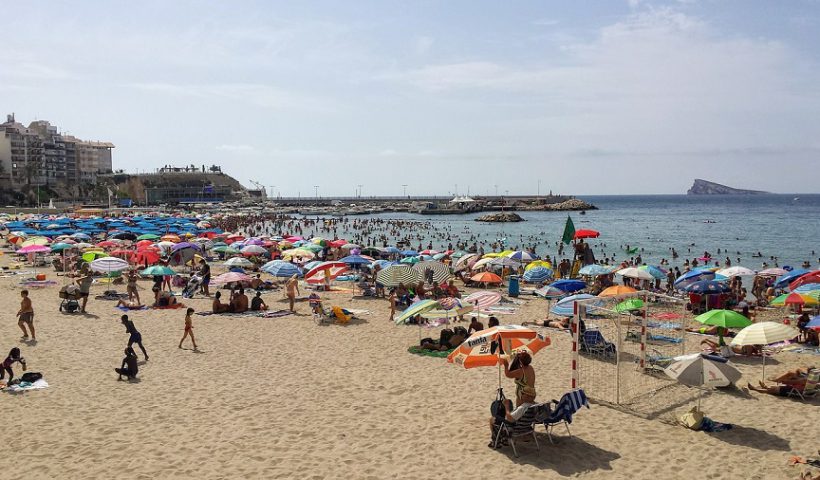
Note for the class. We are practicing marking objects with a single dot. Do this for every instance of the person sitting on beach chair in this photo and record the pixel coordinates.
(518, 422)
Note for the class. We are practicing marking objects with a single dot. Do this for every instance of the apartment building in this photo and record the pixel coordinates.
(40, 155)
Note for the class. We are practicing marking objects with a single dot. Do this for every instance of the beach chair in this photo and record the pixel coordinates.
(810, 389)
(524, 427)
(564, 409)
(594, 343)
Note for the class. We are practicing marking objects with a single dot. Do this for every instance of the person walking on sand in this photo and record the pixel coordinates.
(292, 290)
(392, 299)
(189, 328)
(26, 315)
(135, 335)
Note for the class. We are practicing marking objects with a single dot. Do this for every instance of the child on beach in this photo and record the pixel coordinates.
(189, 328)
(129, 365)
(392, 300)
(135, 335)
(26, 315)
(14, 356)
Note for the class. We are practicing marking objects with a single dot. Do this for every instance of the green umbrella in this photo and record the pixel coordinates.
(91, 256)
(416, 309)
(724, 318)
(158, 270)
(629, 305)
(312, 247)
(148, 236)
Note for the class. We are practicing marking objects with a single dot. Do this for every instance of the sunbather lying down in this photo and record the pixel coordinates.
(747, 350)
(448, 339)
(129, 304)
(796, 376)
(777, 390)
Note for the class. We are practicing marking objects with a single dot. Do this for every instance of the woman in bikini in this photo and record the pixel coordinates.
(522, 372)
(189, 328)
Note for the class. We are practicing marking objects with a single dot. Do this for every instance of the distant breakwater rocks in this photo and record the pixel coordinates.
(567, 205)
(501, 217)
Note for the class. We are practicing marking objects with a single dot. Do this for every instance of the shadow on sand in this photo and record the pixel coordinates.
(568, 456)
(752, 438)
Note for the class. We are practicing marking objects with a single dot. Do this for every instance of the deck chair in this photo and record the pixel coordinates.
(524, 427)
(810, 389)
(564, 410)
(593, 342)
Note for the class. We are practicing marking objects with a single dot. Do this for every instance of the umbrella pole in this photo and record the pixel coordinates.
(763, 354)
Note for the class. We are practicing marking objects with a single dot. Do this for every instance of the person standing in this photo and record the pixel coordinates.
(26, 315)
(205, 273)
(135, 335)
(292, 288)
(189, 328)
(132, 285)
(84, 283)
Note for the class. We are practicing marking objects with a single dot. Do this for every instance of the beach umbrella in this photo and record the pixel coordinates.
(410, 260)
(409, 253)
(108, 244)
(629, 305)
(538, 263)
(355, 260)
(486, 277)
(522, 256)
(723, 318)
(145, 256)
(29, 249)
(80, 236)
(814, 323)
(125, 236)
(585, 233)
(296, 253)
(230, 277)
(148, 236)
(566, 306)
(171, 238)
(253, 250)
(441, 272)
(35, 241)
(466, 261)
(700, 370)
(550, 292)
(417, 308)
(569, 285)
(59, 247)
(794, 298)
(447, 314)
(93, 255)
(811, 277)
(736, 271)
(484, 348)
(616, 291)
(350, 246)
(281, 269)
(428, 252)
(595, 270)
(708, 287)
(393, 275)
(805, 288)
(537, 275)
(311, 247)
(773, 272)
(157, 270)
(482, 299)
(693, 276)
(238, 262)
(790, 277)
(504, 262)
(109, 265)
(764, 333)
(656, 272)
(481, 263)
(634, 272)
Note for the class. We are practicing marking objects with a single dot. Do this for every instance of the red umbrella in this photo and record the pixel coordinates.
(107, 244)
(337, 243)
(144, 243)
(811, 277)
(145, 256)
(586, 234)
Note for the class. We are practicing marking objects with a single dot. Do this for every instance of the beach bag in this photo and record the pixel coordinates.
(693, 419)
(31, 377)
(497, 408)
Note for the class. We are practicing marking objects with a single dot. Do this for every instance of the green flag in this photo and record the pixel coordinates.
(569, 231)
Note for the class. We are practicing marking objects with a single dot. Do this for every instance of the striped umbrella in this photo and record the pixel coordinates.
(482, 299)
(505, 262)
(238, 262)
(441, 272)
(566, 306)
(417, 309)
(537, 275)
(317, 274)
(594, 270)
(794, 298)
(538, 263)
(478, 350)
(109, 264)
(393, 275)
(550, 292)
(522, 256)
(466, 261)
(282, 269)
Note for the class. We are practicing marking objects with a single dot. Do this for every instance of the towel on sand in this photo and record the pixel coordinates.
(126, 309)
(169, 307)
(429, 353)
(23, 386)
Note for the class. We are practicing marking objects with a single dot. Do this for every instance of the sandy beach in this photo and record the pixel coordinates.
(287, 398)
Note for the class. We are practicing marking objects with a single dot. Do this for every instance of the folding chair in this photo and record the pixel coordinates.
(564, 409)
(524, 427)
(593, 342)
(810, 389)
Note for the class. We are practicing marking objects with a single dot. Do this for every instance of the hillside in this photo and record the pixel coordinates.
(705, 187)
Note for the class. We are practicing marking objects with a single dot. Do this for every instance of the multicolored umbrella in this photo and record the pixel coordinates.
(708, 287)
(238, 262)
(478, 350)
(811, 277)
(794, 298)
(417, 308)
(537, 275)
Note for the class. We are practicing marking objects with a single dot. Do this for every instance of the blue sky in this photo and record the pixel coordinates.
(589, 97)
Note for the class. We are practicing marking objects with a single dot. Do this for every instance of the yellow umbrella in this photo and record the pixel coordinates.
(538, 263)
(35, 241)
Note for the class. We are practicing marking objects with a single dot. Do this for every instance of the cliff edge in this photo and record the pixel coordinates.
(705, 187)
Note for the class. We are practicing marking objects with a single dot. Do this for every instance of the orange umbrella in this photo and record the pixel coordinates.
(486, 277)
(476, 351)
(170, 238)
(616, 290)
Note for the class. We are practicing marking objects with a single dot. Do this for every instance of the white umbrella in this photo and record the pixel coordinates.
(481, 263)
(634, 272)
(736, 271)
(238, 262)
(109, 264)
(699, 370)
(505, 262)
(764, 333)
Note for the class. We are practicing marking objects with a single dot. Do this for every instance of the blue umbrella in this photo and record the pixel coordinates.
(566, 306)
(787, 278)
(814, 323)
(279, 268)
(806, 287)
(409, 253)
(537, 275)
(594, 270)
(696, 275)
(654, 271)
(708, 287)
(569, 285)
(392, 250)
(355, 260)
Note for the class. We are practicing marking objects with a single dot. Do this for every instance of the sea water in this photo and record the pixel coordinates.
(782, 226)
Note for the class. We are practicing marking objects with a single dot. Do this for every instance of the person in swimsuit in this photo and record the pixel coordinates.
(522, 372)
(129, 365)
(131, 286)
(84, 283)
(292, 290)
(14, 356)
(205, 273)
(189, 328)
(135, 335)
(26, 315)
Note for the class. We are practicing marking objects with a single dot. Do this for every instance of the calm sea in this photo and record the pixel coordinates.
(784, 226)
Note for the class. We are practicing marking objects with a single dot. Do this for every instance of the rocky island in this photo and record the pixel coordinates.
(501, 217)
(705, 187)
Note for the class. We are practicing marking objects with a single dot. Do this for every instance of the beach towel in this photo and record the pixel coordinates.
(664, 338)
(276, 314)
(416, 350)
(249, 313)
(169, 307)
(24, 386)
(664, 325)
(126, 309)
(38, 283)
(666, 316)
(711, 426)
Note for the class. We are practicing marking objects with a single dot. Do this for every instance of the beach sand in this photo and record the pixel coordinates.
(287, 398)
